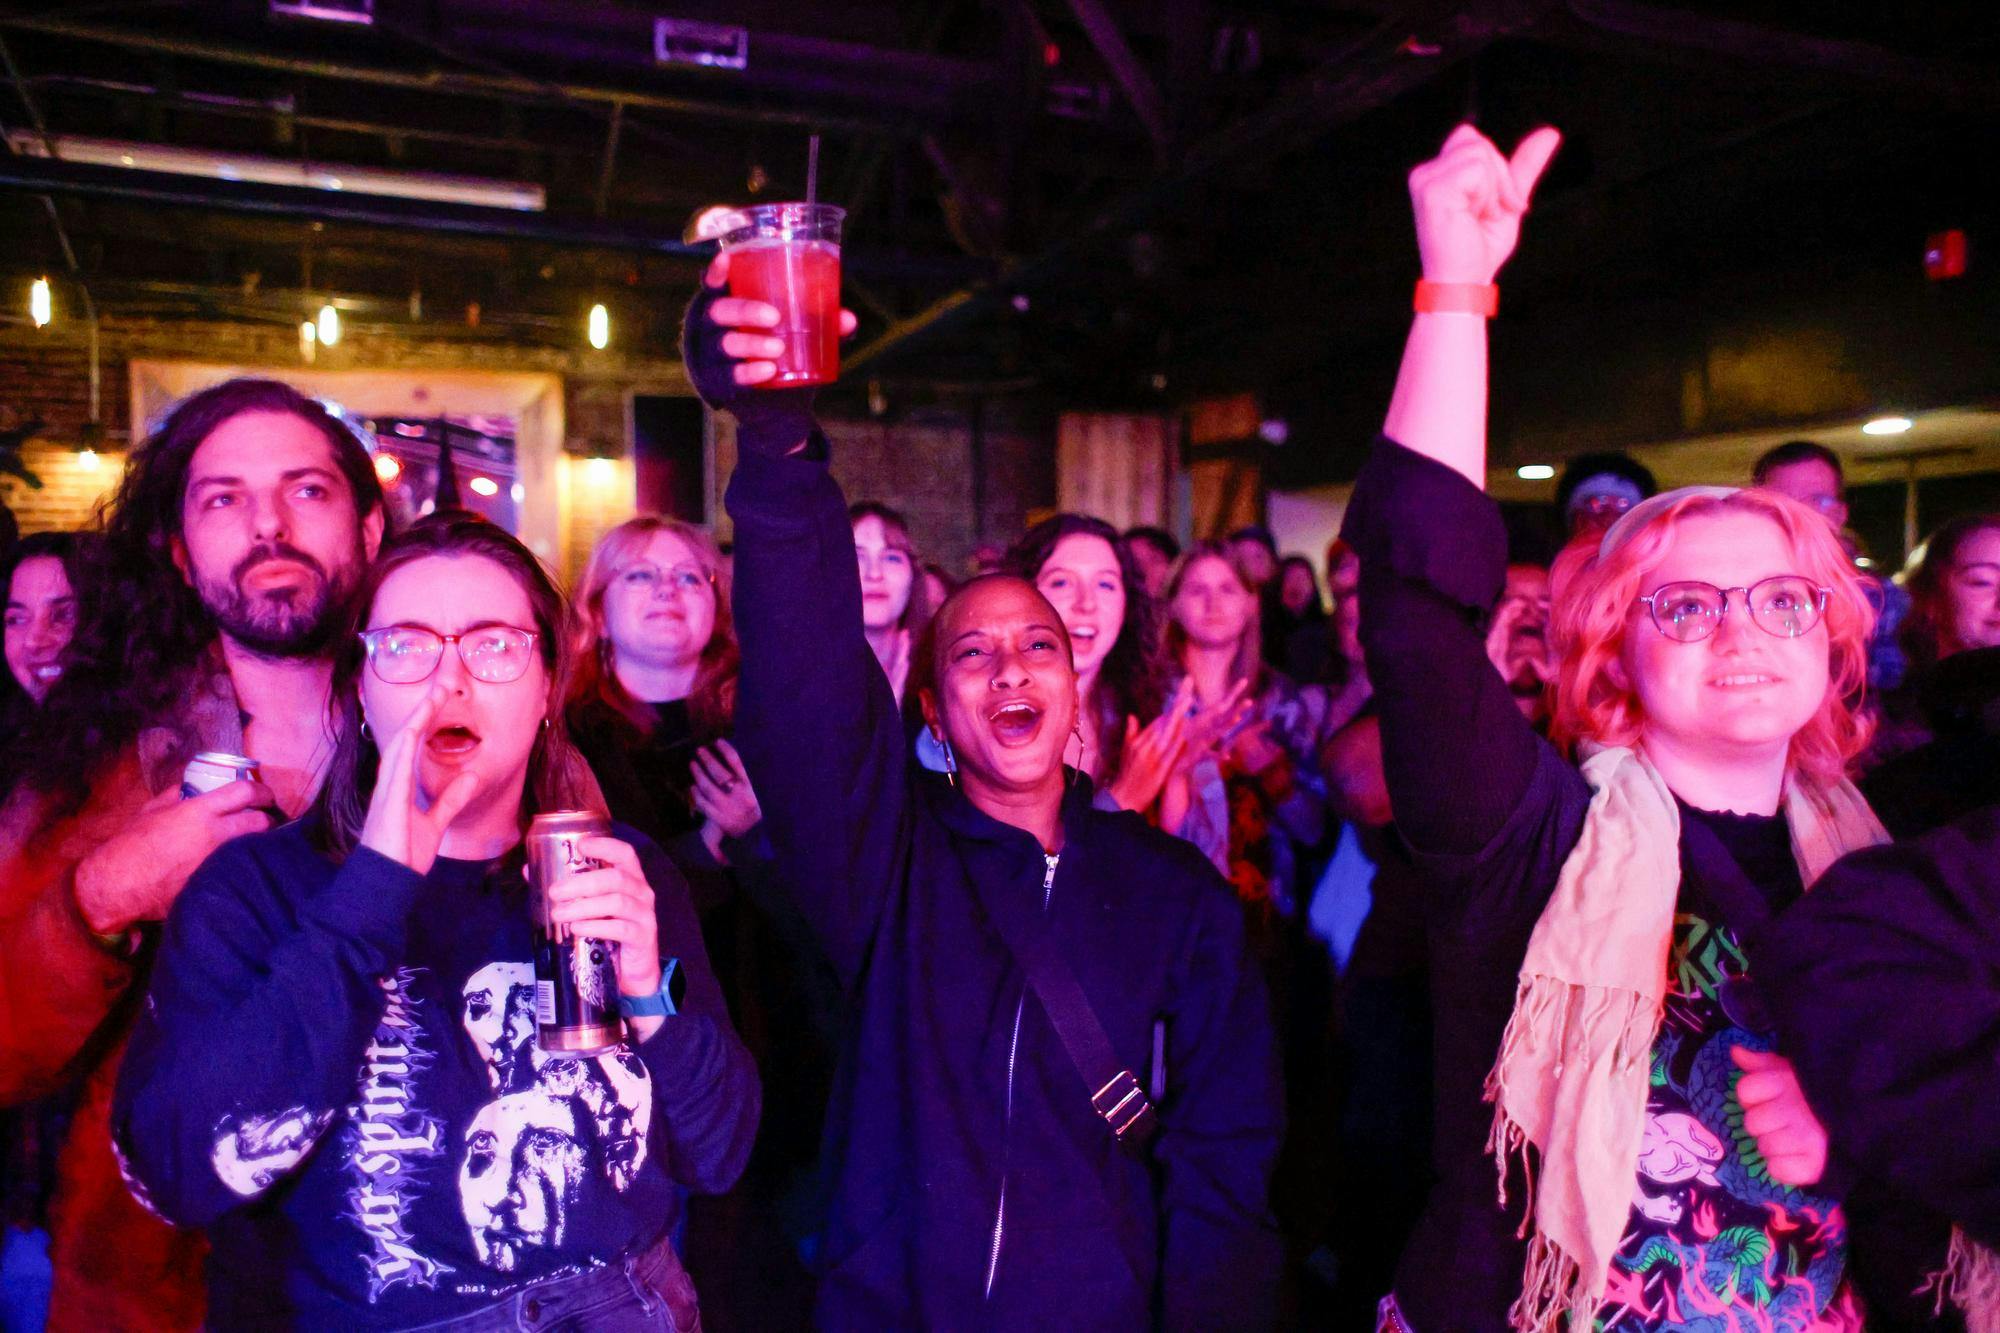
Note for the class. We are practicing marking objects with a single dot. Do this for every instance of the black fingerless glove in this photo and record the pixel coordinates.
(768, 421)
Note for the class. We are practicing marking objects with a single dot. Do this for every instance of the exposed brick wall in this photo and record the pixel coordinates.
(922, 464)
(70, 489)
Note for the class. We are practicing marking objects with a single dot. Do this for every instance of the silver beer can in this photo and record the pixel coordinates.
(576, 979)
(213, 768)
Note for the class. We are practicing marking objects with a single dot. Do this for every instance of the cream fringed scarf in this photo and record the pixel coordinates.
(1574, 1067)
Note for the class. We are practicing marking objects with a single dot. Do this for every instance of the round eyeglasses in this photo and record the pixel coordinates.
(1785, 605)
(645, 578)
(407, 654)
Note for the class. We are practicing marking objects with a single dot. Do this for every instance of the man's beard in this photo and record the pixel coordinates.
(289, 622)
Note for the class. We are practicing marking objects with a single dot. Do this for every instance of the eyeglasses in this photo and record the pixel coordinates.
(1785, 605)
(407, 654)
(645, 578)
(1601, 505)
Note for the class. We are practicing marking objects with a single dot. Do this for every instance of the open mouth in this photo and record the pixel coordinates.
(1083, 635)
(1015, 722)
(452, 742)
(1744, 680)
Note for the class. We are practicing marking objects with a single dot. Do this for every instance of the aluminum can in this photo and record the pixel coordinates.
(212, 769)
(576, 979)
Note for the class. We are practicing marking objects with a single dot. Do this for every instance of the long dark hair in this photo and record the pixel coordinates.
(1929, 586)
(141, 629)
(1132, 681)
(558, 777)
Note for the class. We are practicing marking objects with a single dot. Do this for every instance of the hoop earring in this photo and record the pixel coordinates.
(950, 763)
(364, 730)
(1082, 753)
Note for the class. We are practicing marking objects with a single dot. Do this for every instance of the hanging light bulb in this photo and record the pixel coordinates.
(41, 306)
(329, 325)
(308, 341)
(600, 327)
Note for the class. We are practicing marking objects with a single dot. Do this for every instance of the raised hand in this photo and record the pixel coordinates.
(728, 349)
(1152, 752)
(722, 792)
(1776, 1114)
(397, 826)
(1469, 202)
(136, 874)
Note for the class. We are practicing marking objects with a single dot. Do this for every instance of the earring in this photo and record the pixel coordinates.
(1082, 752)
(950, 763)
(364, 729)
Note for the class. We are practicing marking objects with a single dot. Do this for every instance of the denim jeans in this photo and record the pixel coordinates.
(648, 1292)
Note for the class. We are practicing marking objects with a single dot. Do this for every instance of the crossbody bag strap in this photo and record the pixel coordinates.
(1115, 1091)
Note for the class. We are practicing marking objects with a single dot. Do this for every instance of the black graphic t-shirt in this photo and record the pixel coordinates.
(337, 1074)
(1713, 1242)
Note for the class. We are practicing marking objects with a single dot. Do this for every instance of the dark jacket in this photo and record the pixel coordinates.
(1958, 770)
(1491, 812)
(1885, 982)
(336, 1073)
(895, 870)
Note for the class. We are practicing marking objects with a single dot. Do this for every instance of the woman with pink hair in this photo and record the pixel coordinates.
(1591, 894)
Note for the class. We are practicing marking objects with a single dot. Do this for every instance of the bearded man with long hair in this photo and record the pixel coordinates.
(230, 554)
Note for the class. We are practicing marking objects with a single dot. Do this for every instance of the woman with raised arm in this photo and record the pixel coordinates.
(337, 1072)
(1588, 902)
(999, 936)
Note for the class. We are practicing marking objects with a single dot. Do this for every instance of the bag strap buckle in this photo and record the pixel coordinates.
(1124, 1107)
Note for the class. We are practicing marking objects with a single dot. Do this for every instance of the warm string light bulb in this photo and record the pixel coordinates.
(600, 327)
(41, 303)
(329, 325)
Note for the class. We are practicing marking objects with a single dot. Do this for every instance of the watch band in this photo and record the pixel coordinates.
(1457, 298)
(660, 1004)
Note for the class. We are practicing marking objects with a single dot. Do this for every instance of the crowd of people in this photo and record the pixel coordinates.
(1133, 934)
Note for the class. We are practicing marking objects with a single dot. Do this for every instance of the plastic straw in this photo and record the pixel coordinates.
(812, 170)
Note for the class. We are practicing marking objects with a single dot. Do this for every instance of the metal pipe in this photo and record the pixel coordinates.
(460, 83)
(41, 176)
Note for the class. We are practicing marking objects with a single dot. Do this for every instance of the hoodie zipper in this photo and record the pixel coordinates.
(1013, 1050)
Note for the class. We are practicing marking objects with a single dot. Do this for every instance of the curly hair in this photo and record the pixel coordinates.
(712, 701)
(558, 777)
(141, 629)
(1593, 611)
(1926, 631)
(1133, 680)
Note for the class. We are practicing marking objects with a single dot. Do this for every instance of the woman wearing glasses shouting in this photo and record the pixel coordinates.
(337, 1072)
(1592, 897)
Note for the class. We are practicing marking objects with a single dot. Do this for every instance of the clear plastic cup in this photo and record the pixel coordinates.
(788, 256)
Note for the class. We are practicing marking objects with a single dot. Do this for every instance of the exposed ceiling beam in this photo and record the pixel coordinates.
(1941, 82)
(1140, 90)
(461, 83)
(1367, 74)
(42, 176)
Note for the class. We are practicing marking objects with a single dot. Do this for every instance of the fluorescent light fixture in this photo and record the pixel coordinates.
(1887, 426)
(1534, 471)
(484, 486)
(600, 327)
(440, 187)
(41, 305)
(329, 325)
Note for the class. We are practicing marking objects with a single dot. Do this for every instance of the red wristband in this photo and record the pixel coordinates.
(1457, 298)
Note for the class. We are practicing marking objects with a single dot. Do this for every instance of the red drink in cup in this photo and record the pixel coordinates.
(788, 256)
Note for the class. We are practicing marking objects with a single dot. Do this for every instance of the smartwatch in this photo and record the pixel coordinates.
(662, 1003)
